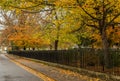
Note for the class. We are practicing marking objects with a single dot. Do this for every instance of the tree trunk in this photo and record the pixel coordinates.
(33, 48)
(105, 49)
(56, 44)
(24, 48)
(50, 46)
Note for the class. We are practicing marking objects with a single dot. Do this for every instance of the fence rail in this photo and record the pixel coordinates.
(90, 59)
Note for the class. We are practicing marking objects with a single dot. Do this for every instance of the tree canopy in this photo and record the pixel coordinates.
(60, 24)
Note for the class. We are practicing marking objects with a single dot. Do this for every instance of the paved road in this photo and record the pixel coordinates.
(11, 72)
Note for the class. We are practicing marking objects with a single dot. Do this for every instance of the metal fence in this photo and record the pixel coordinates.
(91, 59)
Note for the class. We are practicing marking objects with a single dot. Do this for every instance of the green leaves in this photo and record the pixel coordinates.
(69, 21)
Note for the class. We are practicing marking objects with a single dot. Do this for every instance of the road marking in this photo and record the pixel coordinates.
(30, 70)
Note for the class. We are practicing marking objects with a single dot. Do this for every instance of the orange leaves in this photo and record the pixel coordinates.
(24, 36)
(114, 34)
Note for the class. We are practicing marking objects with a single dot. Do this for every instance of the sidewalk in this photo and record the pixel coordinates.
(55, 73)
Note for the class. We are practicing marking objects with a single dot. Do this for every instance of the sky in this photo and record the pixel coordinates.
(1, 26)
(1, 18)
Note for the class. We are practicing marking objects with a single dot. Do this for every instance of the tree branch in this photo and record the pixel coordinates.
(86, 11)
(41, 3)
(25, 7)
(93, 26)
(112, 20)
(32, 12)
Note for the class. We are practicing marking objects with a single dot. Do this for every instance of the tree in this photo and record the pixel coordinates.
(100, 15)
(7, 21)
(46, 7)
(22, 30)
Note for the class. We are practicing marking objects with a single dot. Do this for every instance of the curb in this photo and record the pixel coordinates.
(102, 76)
(31, 70)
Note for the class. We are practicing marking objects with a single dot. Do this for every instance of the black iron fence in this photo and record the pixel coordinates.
(91, 59)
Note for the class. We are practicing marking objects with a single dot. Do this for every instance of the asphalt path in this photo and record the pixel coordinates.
(9, 71)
